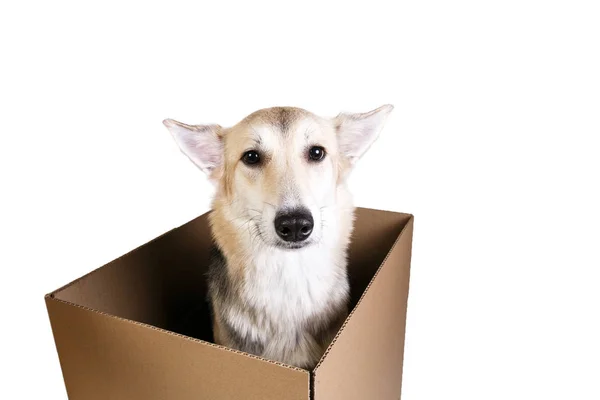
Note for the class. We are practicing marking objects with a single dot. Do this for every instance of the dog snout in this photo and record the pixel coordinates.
(294, 226)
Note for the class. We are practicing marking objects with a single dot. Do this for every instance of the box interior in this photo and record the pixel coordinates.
(162, 283)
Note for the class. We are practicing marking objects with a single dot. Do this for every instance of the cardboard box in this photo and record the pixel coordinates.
(138, 328)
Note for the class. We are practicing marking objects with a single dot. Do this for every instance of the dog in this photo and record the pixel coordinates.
(281, 221)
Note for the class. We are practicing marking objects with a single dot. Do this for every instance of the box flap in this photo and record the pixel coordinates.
(161, 283)
(105, 357)
(365, 359)
(374, 234)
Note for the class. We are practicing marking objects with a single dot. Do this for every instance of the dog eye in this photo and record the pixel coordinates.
(251, 157)
(316, 153)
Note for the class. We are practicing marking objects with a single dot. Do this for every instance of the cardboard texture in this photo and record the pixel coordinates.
(139, 327)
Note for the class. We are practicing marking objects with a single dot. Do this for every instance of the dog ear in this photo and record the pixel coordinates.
(202, 144)
(357, 132)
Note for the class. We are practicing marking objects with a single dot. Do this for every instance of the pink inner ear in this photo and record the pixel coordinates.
(208, 149)
(201, 144)
(354, 137)
(356, 133)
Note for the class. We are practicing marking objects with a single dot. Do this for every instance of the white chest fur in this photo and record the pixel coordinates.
(288, 287)
(292, 286)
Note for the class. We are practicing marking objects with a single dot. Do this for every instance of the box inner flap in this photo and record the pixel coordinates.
(162, 283)
(370, 347)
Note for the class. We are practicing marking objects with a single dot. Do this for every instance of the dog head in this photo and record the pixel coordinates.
(279, 171)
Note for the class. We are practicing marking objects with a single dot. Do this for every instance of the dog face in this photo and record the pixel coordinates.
(278, 170)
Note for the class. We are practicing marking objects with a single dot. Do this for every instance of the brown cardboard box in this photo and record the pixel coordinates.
(138, 328)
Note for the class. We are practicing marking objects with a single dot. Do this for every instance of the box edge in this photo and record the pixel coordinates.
(340, 331)
(50, 297)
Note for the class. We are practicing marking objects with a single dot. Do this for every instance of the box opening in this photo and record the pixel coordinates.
(162, 283)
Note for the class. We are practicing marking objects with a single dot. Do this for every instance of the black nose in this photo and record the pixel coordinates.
(294, 226)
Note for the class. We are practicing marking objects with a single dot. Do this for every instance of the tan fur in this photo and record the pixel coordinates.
(271, 300)
(236, 140)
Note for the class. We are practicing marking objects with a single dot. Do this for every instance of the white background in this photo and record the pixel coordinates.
(493, 146)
